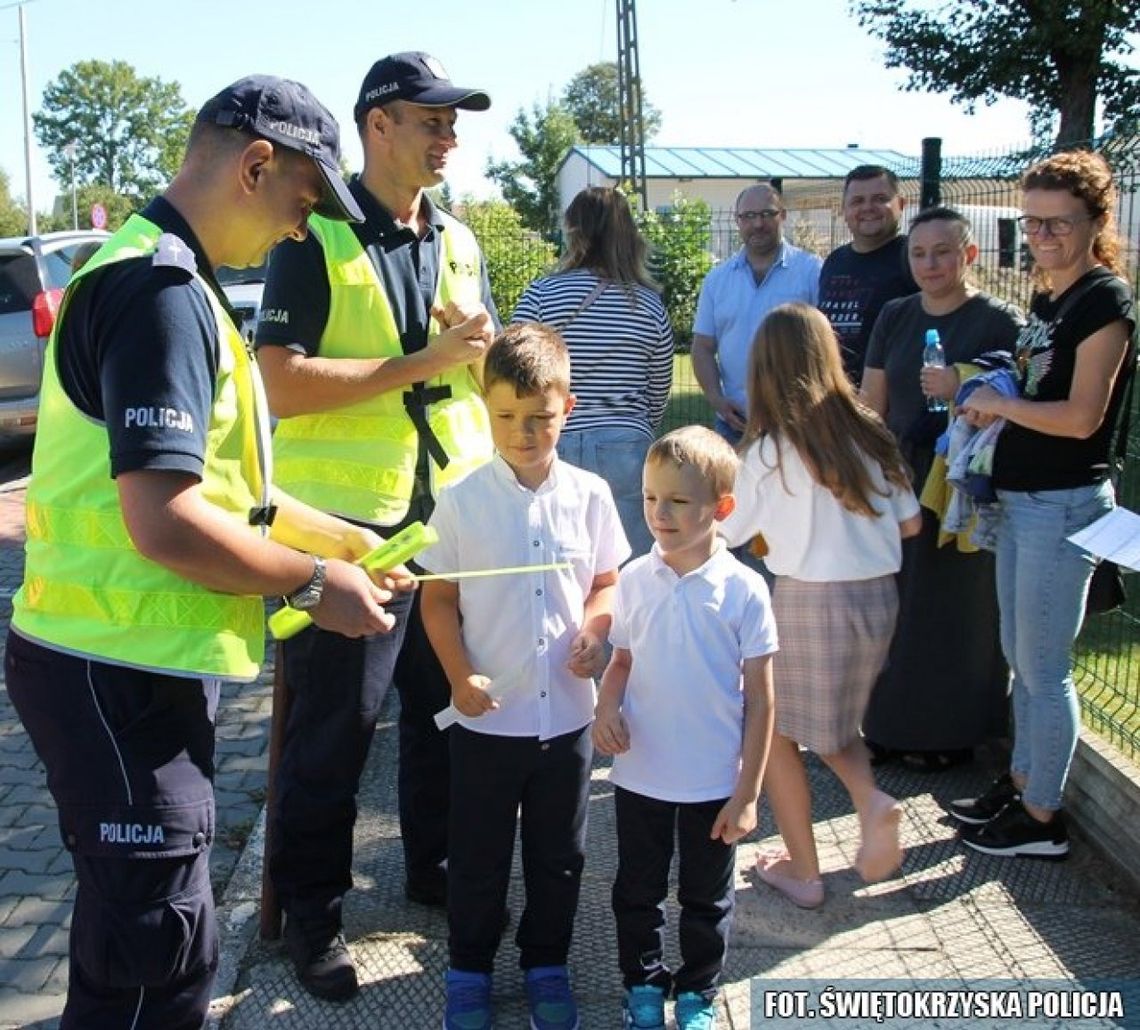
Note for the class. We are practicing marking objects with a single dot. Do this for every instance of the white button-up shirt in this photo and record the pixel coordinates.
(517, 629)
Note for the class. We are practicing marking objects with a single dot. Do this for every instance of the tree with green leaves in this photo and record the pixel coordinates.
(594, 103)
(530, 186)
(1058, 55)
(515, 255)
(129, 132)
(13, 217)
(680, 257)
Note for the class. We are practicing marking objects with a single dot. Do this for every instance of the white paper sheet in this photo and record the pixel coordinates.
(1115, 536)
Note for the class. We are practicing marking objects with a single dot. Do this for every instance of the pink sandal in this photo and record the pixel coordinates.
(801, 893)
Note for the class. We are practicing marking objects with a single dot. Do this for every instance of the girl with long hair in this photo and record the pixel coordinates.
(822, 479)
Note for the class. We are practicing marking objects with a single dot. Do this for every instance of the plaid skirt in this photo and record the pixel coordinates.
(834, 640)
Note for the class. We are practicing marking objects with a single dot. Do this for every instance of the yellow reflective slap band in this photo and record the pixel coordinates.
(473, 573)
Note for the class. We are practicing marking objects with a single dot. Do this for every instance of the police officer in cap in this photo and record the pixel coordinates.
(369, 339)
(153, 535)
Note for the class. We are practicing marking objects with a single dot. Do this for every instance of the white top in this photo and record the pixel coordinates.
(810, 535)
(517, 629)
(688, 637)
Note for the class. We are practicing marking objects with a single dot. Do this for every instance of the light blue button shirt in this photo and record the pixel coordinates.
(732, 305)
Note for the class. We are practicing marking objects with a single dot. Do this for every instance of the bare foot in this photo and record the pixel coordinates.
(774, 868)
(879, 853)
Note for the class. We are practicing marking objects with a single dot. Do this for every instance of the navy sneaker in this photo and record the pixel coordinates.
(986, 805)
(549, 998)
(468, 1001)
(644, 1008)
(694, 1012)
(1013, 832)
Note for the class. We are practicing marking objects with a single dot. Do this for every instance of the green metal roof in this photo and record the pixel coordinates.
(748, 162)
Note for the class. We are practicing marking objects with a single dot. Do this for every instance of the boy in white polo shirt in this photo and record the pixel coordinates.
(686, 708)
(538, 638)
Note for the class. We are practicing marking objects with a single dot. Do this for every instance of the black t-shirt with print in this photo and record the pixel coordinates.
(1026, 459)
(853, 288)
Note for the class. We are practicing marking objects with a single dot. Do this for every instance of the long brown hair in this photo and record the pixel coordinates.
(601, 236)
(1088, 178)
(799, 395)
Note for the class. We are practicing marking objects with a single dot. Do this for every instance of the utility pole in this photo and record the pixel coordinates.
(629, 92)
(27, 115)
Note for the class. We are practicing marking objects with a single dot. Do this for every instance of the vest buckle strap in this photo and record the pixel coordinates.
(421, 396)
(263, 515)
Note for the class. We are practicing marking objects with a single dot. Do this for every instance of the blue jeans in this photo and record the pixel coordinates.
(617, 455)
(1042, 580)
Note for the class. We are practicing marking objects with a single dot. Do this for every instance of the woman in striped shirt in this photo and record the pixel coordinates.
(611, 316)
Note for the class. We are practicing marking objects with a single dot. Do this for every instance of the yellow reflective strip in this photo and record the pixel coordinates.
(154, 609)
(366, 426)
(387, 480)
(78, 526)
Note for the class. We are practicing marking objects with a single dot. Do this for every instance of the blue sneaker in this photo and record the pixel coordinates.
(468, 1001)
(694, 1012)
(548, 995)
(644, 1008)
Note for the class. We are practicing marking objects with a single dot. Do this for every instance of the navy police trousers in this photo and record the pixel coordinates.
(130, 763)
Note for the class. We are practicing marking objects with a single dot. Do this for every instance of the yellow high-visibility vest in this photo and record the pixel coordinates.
(360, 460)
(87, 589)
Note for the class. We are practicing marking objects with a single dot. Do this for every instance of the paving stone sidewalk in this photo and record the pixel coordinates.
(952, 916)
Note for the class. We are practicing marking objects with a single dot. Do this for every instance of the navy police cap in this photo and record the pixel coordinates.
(287, 114)
(417, 78)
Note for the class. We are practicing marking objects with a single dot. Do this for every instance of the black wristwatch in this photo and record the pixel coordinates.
(309, 596)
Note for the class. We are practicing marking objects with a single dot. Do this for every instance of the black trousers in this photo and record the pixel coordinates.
(130, 763)
(492, 779)
(338, 685)
(424, 776)
(646, 828)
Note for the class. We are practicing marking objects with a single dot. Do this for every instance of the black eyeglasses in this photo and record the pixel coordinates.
(767, 215)
(1032, 225)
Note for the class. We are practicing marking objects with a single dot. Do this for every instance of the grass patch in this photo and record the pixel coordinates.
(687, 405)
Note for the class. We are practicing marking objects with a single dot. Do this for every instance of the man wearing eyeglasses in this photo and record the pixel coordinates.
(767, 271)
(859, 277)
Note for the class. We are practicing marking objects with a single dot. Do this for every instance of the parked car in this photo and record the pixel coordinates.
(33, 273)
(243, 288)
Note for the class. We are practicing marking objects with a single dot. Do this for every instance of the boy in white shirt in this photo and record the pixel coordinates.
(538, 638)
(686, 708)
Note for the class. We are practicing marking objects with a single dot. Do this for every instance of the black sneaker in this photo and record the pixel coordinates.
(1013, 832)
(321, 959)
(987, 804)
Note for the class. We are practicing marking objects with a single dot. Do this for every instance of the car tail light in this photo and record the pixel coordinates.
(44, 309)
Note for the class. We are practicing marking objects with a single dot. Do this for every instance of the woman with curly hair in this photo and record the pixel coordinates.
(1051, 471)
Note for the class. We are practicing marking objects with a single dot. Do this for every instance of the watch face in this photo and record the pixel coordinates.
(305, 599)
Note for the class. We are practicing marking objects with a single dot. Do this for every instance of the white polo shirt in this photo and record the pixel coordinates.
(810, 535)
(517, 629)
(684, 706)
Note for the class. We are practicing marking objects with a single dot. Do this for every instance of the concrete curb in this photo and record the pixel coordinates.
(237, 914)
(1103, 796)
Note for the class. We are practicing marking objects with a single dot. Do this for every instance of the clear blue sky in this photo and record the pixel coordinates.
(722, 72)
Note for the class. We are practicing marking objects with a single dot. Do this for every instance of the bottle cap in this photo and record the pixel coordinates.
(932, 336)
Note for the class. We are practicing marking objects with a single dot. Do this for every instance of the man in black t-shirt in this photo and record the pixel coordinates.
(859, 277)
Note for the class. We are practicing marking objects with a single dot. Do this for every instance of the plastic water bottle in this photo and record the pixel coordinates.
(933, 356)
